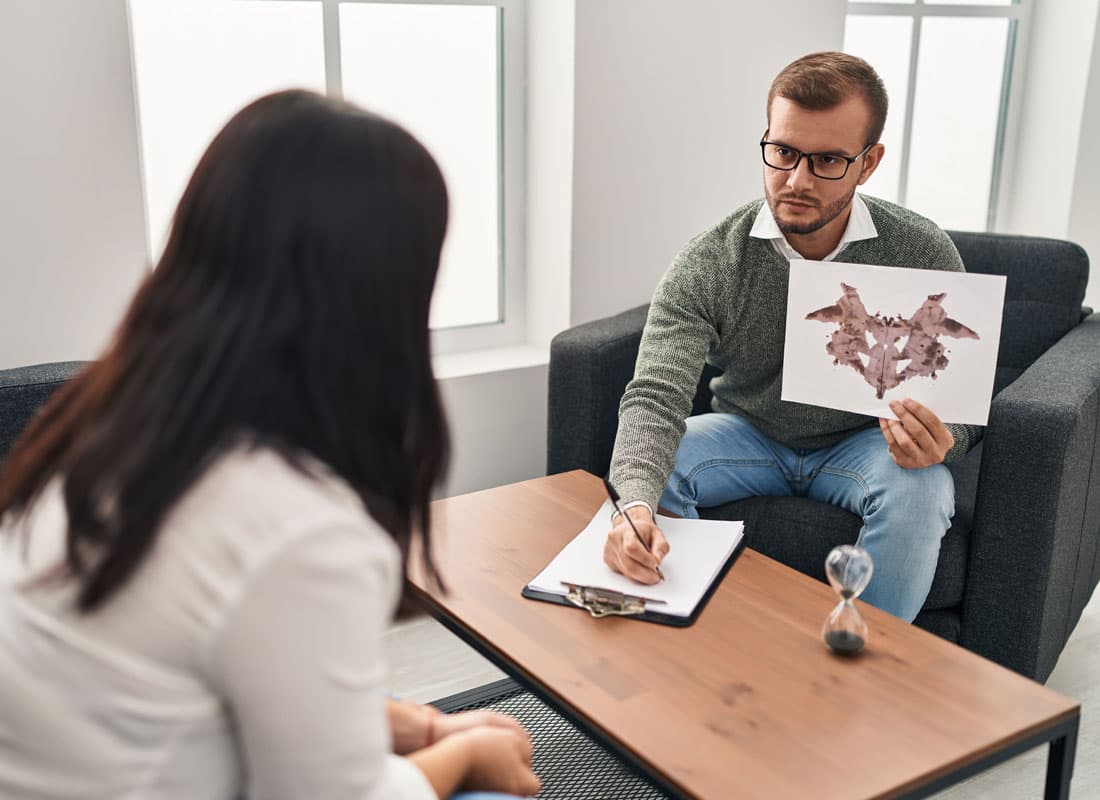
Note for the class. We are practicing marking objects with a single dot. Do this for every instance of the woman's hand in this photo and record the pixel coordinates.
(448, 724)
(411, 725)
(500, 760)
(414, 726)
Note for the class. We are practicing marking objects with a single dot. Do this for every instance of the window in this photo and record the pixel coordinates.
(450, 71)
(948, 70)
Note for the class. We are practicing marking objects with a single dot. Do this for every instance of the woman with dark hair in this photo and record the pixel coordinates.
(213, 520)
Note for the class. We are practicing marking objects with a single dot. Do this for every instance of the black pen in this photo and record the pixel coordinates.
(615, 502)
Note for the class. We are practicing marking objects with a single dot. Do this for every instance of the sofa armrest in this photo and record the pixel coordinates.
(24, 390)
(1033, 551)
(590, 366)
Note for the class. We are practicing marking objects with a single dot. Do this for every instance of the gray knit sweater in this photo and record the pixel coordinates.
(724, 301)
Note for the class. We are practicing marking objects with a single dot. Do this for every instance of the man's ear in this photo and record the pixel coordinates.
(871, 159)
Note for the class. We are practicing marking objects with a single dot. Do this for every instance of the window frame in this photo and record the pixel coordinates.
(509, 328)
(1018, 14)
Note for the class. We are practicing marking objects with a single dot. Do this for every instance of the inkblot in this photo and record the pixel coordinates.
(879, 363)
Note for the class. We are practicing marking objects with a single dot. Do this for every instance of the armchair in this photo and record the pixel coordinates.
(1022, 556)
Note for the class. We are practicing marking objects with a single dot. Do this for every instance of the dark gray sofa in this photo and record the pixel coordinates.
(1021, 558)
(23, 391)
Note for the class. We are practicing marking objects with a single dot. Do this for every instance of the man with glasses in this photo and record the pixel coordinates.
(723, 301)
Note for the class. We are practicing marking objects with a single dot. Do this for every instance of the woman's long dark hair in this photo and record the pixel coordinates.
(290, 309)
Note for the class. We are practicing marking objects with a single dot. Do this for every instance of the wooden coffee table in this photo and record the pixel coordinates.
(747, 702)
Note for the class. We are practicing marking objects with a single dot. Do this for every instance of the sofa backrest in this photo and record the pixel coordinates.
(1045, 288)
(24, 390)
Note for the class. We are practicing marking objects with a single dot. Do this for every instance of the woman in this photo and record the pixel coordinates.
(213, 520)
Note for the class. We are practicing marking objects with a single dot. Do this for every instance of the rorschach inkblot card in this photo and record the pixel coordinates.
(859, 336)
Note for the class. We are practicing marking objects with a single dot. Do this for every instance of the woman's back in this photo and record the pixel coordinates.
(193, 611)
(238, 622)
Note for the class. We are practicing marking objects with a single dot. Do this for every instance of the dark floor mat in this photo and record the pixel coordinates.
(570, 764)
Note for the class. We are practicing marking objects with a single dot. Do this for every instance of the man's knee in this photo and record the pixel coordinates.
(924, 498)
(933, 488)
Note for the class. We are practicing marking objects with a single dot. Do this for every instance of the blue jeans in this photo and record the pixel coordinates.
(905, 512)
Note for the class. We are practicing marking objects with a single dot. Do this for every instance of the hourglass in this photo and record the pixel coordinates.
(849, 569)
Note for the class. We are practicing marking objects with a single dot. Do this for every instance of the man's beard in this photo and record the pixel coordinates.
(826, 213)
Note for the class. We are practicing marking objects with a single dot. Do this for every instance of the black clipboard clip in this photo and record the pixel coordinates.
(606, 602)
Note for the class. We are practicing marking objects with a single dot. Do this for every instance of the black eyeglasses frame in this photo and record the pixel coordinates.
(810, 158)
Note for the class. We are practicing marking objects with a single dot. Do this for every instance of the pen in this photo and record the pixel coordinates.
(615, 502)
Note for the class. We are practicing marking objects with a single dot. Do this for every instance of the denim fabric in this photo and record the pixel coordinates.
(905, 512)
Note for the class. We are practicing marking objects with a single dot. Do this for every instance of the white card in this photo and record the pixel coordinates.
(859, 336)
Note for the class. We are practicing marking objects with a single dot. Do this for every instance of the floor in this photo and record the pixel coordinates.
(428, 662)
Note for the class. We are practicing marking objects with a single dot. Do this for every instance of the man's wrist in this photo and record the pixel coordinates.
(632, 504)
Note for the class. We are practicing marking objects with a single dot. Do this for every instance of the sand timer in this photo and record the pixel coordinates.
(849, 569)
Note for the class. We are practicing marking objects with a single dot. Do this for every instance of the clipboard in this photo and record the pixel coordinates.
(587, 583)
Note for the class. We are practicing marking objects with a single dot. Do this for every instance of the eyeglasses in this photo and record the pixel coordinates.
(830, 166)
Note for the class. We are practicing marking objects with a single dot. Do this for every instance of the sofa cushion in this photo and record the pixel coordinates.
(24, 390)
(800, 532)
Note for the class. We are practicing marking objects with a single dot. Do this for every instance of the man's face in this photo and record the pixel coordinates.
(801, 202)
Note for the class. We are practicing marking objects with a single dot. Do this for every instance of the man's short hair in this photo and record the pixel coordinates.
(821, 81)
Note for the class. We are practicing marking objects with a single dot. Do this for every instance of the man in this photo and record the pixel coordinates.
(723, 301)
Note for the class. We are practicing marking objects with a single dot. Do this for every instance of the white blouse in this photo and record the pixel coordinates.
(243, 656)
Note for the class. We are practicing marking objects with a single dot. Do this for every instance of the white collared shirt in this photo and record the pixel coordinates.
(860, 226)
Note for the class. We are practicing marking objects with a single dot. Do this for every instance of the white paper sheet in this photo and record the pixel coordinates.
(698, 549)
(963, 384)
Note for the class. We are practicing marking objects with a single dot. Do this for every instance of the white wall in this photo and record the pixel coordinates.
(498, 428)
(670, 103)
(549, 207)
(72, 237)
(1084, 217)
(1051, 171)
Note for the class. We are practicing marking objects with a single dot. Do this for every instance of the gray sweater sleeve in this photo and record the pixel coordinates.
(678, 334)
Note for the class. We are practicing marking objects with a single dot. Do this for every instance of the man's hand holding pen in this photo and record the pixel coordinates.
(627, 553)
